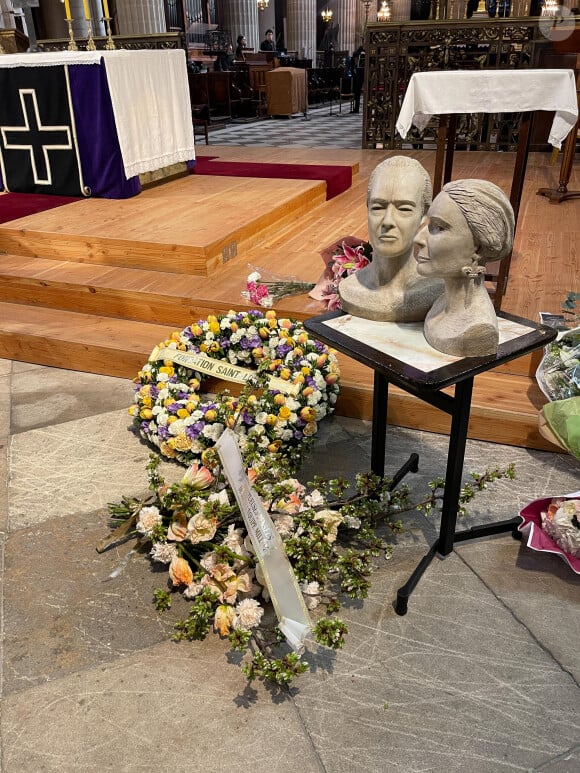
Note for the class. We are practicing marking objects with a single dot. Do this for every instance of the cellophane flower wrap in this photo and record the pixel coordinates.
(342, 259)
(172, 412)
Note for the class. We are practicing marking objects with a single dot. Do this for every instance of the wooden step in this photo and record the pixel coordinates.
(187, 226)
(504, 407)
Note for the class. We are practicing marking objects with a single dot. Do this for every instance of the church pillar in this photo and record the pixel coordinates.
(6, 17)
(346, 14)
(140, 17)
(301, 28)
(240, 17)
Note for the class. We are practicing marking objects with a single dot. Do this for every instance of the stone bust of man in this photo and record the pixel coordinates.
(390, 288)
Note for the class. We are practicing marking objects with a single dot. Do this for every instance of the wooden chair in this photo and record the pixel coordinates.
(346, 91)
(200, 118)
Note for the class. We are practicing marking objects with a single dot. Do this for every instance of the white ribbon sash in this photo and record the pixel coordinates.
(293, 617)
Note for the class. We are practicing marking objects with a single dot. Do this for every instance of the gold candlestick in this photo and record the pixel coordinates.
(109, 45)
(90, 42)
(72, 46)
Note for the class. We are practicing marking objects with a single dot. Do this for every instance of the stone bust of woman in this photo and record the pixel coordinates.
(469, 223)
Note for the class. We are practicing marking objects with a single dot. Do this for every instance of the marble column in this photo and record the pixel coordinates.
(345, 12)
(140, 17)
(6, 16)
(240, 17)
(301, 28)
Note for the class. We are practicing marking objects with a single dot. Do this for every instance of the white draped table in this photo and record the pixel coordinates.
(451, 92)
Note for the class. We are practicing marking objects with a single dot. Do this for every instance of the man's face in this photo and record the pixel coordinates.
(269, 36)
(395, 210)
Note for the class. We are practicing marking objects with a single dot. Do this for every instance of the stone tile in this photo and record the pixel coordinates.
(169, 708)
(539, 588)
(5, 382)
(569, 762)
(456, 685)
(63, 613)
(76, 467)
(5, 367)
(3, 488)
(47, 396)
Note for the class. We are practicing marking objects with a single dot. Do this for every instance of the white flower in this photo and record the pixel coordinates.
(248, 614)
(311, 593)
(284, 524)
(314, 499)
(254, 276)
(164, 552)
(213, 431)
(148, 518)
(208, 561)
(193, 590)
(162, 377)
(177, 428)
(351, 522)
(261, 417)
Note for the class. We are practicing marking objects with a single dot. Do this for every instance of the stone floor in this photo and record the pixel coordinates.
(481, 675)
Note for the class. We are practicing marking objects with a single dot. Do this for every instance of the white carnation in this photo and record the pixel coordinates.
(148, 518)
(164, 552)
(248, 614)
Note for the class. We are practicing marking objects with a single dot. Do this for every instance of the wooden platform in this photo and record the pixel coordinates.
(95, 285)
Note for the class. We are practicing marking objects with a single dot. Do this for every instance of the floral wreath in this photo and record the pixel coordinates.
(172, 413)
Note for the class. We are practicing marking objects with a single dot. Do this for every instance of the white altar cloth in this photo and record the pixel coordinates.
(150, 99)
(491, 91)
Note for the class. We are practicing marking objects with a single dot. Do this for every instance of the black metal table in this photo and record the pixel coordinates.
(428, 386)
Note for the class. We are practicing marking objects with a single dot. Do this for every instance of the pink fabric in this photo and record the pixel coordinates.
(531, 527)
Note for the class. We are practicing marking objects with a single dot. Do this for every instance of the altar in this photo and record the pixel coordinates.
(88, 123)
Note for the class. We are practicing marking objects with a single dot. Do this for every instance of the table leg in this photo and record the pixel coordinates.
(515, 200)
(443, 545)
(451, 132)
(440, 154)
(379, 429)
(454, 472)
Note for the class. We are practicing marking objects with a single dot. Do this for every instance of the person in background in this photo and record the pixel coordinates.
(225, 59)
(241, 43)
(268, 43)
(358, 76)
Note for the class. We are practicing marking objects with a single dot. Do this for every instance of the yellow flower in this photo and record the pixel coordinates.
(181, 442)
(196, 330)
(146, 413)
(279, 399)
(274, 447)
(224, 619)
(270, 314)
(213, 347)
(133, 410)
(193, 384)
(183, 413)
(285, 373)
(166, 450)
(307, 413)
(167, 369)
(171, 419)
(271, 420)
(310, 429)
(211, 415)
(284, 412)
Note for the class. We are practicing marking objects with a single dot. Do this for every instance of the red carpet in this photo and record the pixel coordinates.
(15, 205)
(338, 178)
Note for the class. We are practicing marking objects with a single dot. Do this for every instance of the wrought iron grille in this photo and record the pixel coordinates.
(396, 51)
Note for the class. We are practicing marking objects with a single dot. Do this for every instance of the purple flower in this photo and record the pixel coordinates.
(173, 408)
(163, 432)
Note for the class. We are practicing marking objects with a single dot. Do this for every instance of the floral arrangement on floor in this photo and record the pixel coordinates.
(265, 288)
(342, 259)
(558, 374)
(299, 378)
(332, 540)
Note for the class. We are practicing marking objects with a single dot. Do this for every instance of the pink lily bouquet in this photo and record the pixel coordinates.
(264, 288)
(342, 259)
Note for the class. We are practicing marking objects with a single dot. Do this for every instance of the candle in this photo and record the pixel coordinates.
(67, 9)
(106, 9)
(87, 11)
